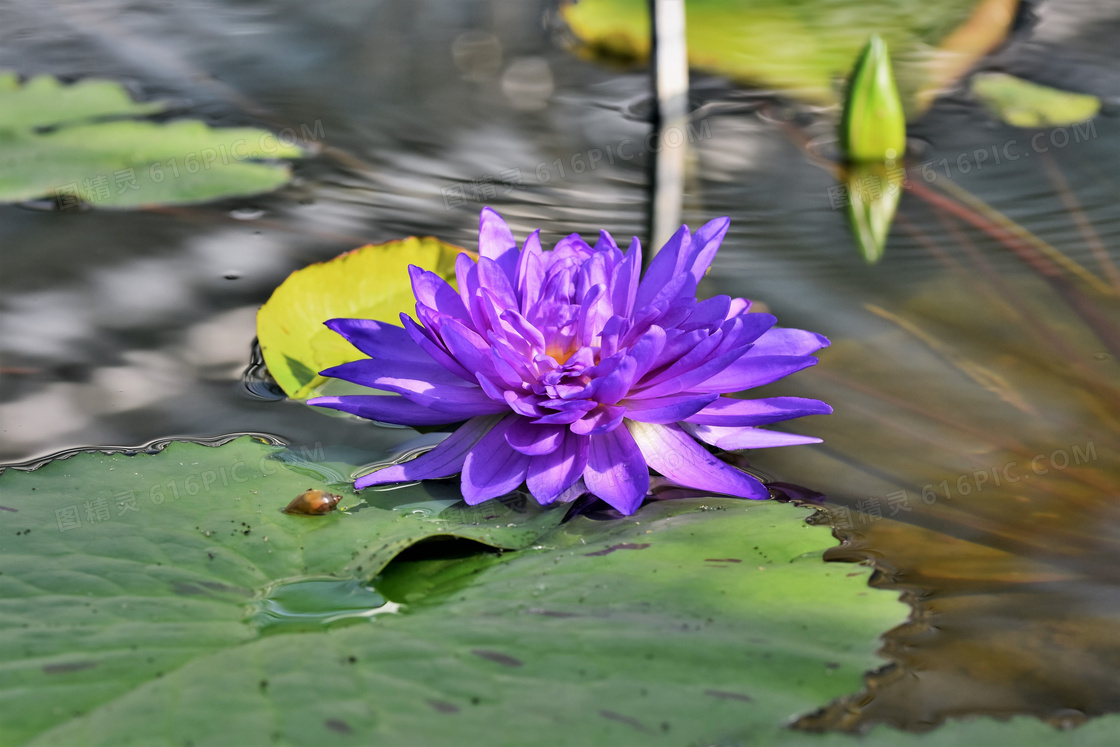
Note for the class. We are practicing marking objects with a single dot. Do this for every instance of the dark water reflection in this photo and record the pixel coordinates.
(957, 364)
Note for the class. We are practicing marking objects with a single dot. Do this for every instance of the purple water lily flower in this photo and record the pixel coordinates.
(567, 365)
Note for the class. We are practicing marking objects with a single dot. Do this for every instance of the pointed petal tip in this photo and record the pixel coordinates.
(757, 492)
(379, 477)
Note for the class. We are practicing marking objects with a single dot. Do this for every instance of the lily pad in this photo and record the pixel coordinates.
(118, 570)
(155, 620)
(80, 145)
(1021, 103)
(367, 283)
(800, 48)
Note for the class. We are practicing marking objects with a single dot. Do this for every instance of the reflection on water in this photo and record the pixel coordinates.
(973, 452)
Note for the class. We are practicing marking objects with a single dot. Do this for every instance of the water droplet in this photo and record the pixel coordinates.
(246, 213)
(318, 603)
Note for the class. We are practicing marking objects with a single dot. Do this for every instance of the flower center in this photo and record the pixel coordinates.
(560, 355)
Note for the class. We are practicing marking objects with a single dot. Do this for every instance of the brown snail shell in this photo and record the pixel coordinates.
(313, 502)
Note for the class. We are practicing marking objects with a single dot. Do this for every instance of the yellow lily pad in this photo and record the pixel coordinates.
(370, 282)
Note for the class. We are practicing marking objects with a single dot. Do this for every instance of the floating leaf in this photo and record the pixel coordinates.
(118, 570)
(1022, 103)
(191, 609)
(77, 145)
(798, 48)
(367, 283)
(873, 126)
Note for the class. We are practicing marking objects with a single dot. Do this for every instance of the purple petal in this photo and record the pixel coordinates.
(748, 372)
(445, 459)
(571, 246)
(495, 241)
(374, 372)
(746, 437)
(679, 287)
(705, 244)
(379, 339)
(493, 467)
(595, 310)
(530, 270)
(417, 382)
(667, 409)
(433, 291)
(523, 404)
(726, 411)
(606, 243)
(613, 386)
(616, 470)
(466, 277)
(430, 345)
(572, 411)
(739, 306)
(521, 326)
(648, 350)
(470, 350)
(708, 312)
(624, 284)
(493, 278)
(663, 268)
(602, 419)
(695, 348)
(400, 411)
(533, 439)
(674, 454)
(784, 341)
(550, 475)
(692, 380)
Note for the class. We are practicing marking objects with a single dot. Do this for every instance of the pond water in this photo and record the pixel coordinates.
(972, 456)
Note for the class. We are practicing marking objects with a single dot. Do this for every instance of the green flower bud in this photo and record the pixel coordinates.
(873, 127)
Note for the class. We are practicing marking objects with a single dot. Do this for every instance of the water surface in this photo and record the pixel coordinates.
(973, 453)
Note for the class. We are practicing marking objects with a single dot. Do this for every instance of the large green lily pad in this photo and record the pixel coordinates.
(694, 617)
(696, 621)
(79, 145)
(119, 570)
(371, 282)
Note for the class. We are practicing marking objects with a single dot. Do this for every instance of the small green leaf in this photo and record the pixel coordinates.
(873, 125)
(1021, 103)
(367, 283)
(78, 145)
